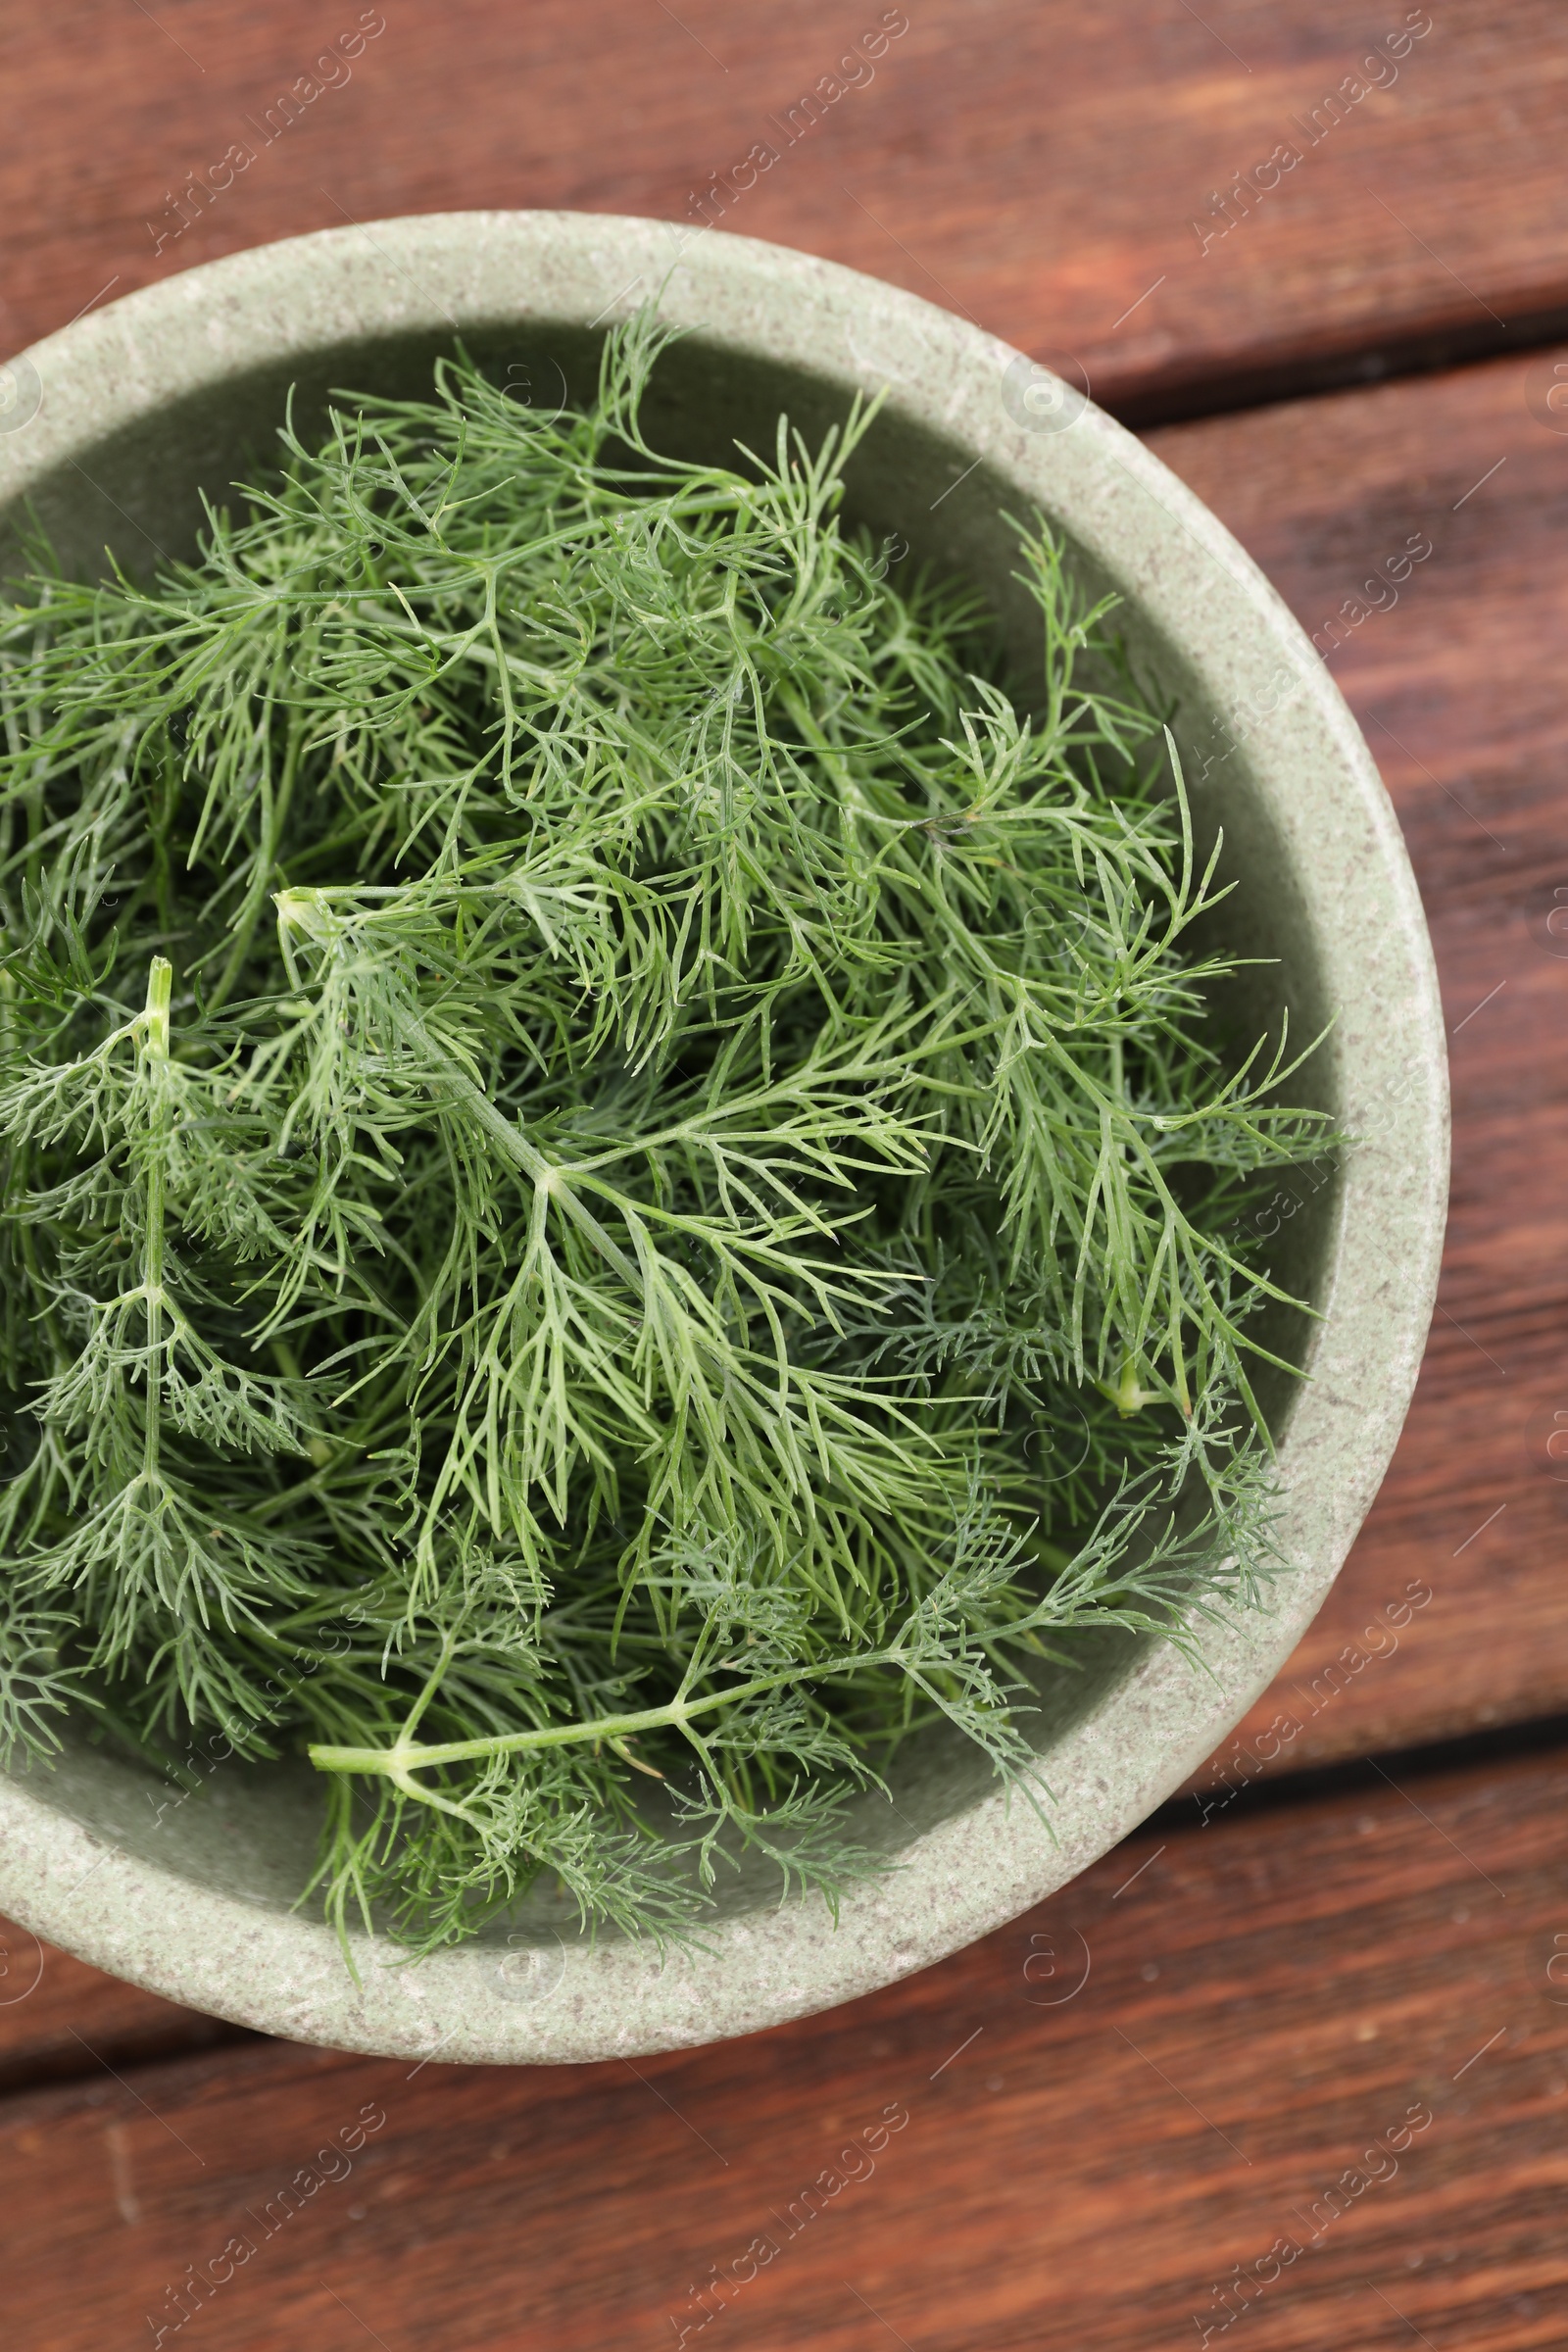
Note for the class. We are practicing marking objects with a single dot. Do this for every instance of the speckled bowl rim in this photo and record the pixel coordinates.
(282, 1972)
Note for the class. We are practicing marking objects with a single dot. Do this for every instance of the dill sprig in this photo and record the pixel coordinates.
(615, 1173)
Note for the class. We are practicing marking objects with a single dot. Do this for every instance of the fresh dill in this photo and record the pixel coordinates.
(615, 1172)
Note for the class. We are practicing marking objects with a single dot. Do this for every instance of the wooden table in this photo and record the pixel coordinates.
(1298, 2053)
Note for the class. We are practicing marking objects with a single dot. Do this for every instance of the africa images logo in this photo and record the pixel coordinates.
(20, 394)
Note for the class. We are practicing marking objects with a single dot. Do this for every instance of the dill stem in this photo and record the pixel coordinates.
(404, 1757)
(505, 1135)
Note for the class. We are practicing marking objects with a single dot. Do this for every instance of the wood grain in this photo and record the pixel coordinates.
(1035, 162)
(1462, 691)
(1156, 2077)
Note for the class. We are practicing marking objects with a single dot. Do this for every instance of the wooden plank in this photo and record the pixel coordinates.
(60, 2018)
(1461, 688)
(1326, 2042)
(1037, 164)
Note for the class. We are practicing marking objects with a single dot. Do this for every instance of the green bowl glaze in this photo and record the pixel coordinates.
(108, 430)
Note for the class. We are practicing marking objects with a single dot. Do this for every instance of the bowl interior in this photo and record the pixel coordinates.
(251, 1832)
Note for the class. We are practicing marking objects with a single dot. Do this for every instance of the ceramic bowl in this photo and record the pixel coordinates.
(108, 430)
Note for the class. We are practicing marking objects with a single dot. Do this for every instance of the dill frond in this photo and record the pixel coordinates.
(616, 1170)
